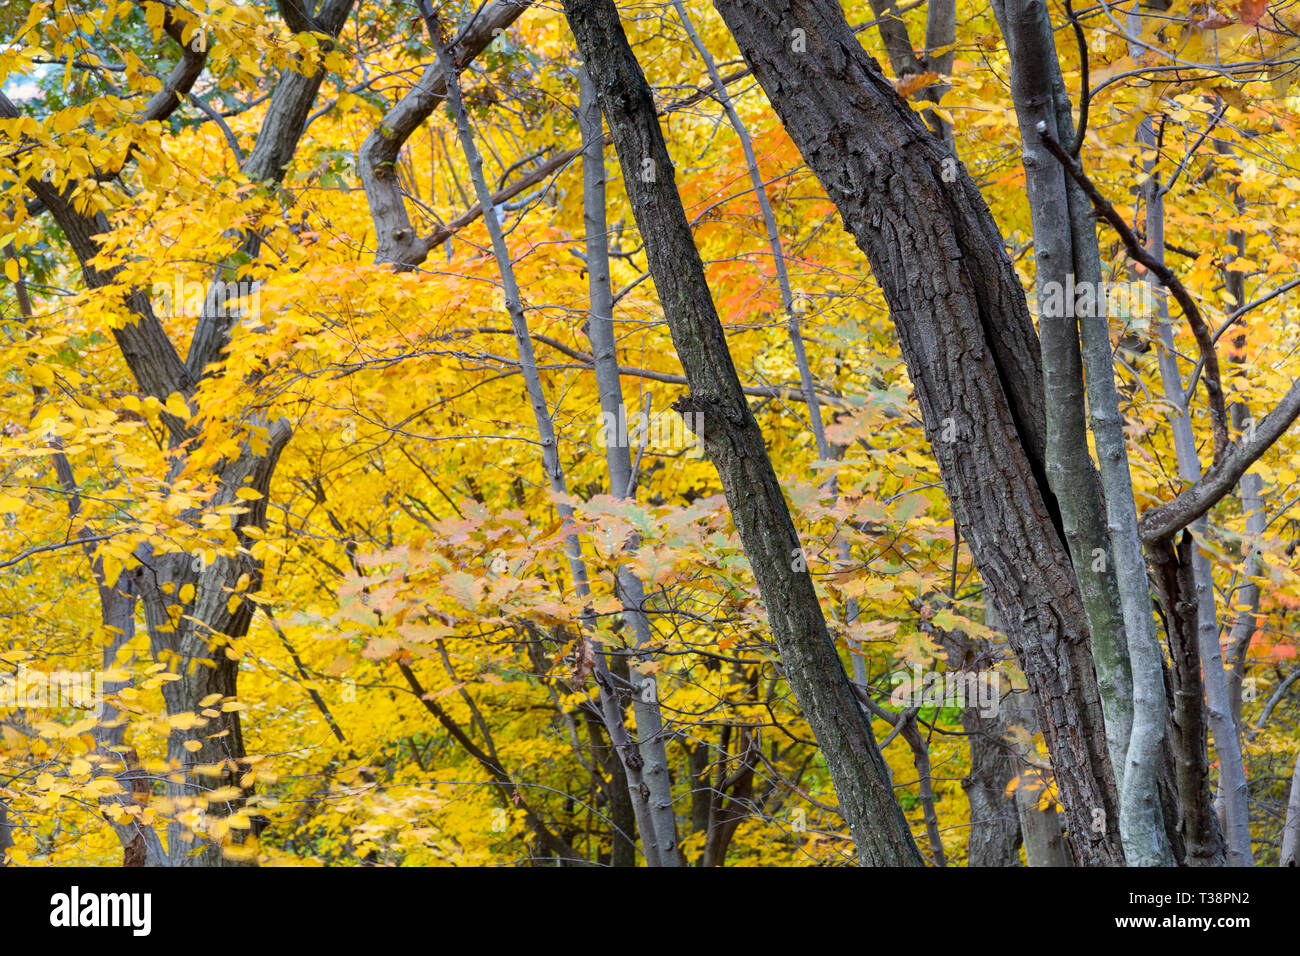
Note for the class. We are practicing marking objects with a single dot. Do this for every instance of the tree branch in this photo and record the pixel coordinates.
(1162, 523)
(1136, 251)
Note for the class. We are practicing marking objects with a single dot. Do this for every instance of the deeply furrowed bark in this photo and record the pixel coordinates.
(1198, 825)
(734, 443)
(973, 355)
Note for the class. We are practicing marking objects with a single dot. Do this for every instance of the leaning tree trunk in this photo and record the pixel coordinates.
(973, 356)
(734, 443)
(1110, 568)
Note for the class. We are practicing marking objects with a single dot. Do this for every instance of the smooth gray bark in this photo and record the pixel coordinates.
(609, 385)
(396, 240)
(1040, 829)
(1227, 742)
(1291, 829)
(657, 854)
(1110, 567)
(1035, 77)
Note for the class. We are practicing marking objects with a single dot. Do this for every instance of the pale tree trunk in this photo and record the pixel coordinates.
(994, 836)
(1126, 649)
(734, 443)
(972, 354)
(396, 240)
(622, 481)
(1250, 488)
(1227, 743)
(1291, 829)
(1040, 829)
(659, 851)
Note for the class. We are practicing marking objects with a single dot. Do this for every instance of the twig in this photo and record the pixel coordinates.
(1085, 95)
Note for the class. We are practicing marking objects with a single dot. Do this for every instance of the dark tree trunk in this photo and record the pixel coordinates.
(994, 838)
(973, 356)
(1189, 727)
(735, 445)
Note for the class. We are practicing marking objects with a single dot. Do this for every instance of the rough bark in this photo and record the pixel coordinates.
(734, 444)
(276, 142)
(1176, 587)
(1035, 75)
(972, 352)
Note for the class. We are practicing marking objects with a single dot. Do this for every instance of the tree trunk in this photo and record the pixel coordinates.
(734, 443)
(659, 849)
(1194, 606)
(622, 481)
(1291, 829)
(1040, 829)
(994, 827)
(1110, 568)
(970, 347)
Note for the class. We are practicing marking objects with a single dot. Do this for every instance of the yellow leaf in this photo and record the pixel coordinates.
(185, 721)
(176, 406)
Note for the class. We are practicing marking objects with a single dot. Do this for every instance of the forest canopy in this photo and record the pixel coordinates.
(666, 434)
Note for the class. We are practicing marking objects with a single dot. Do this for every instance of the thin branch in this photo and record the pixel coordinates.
(1137, 252)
